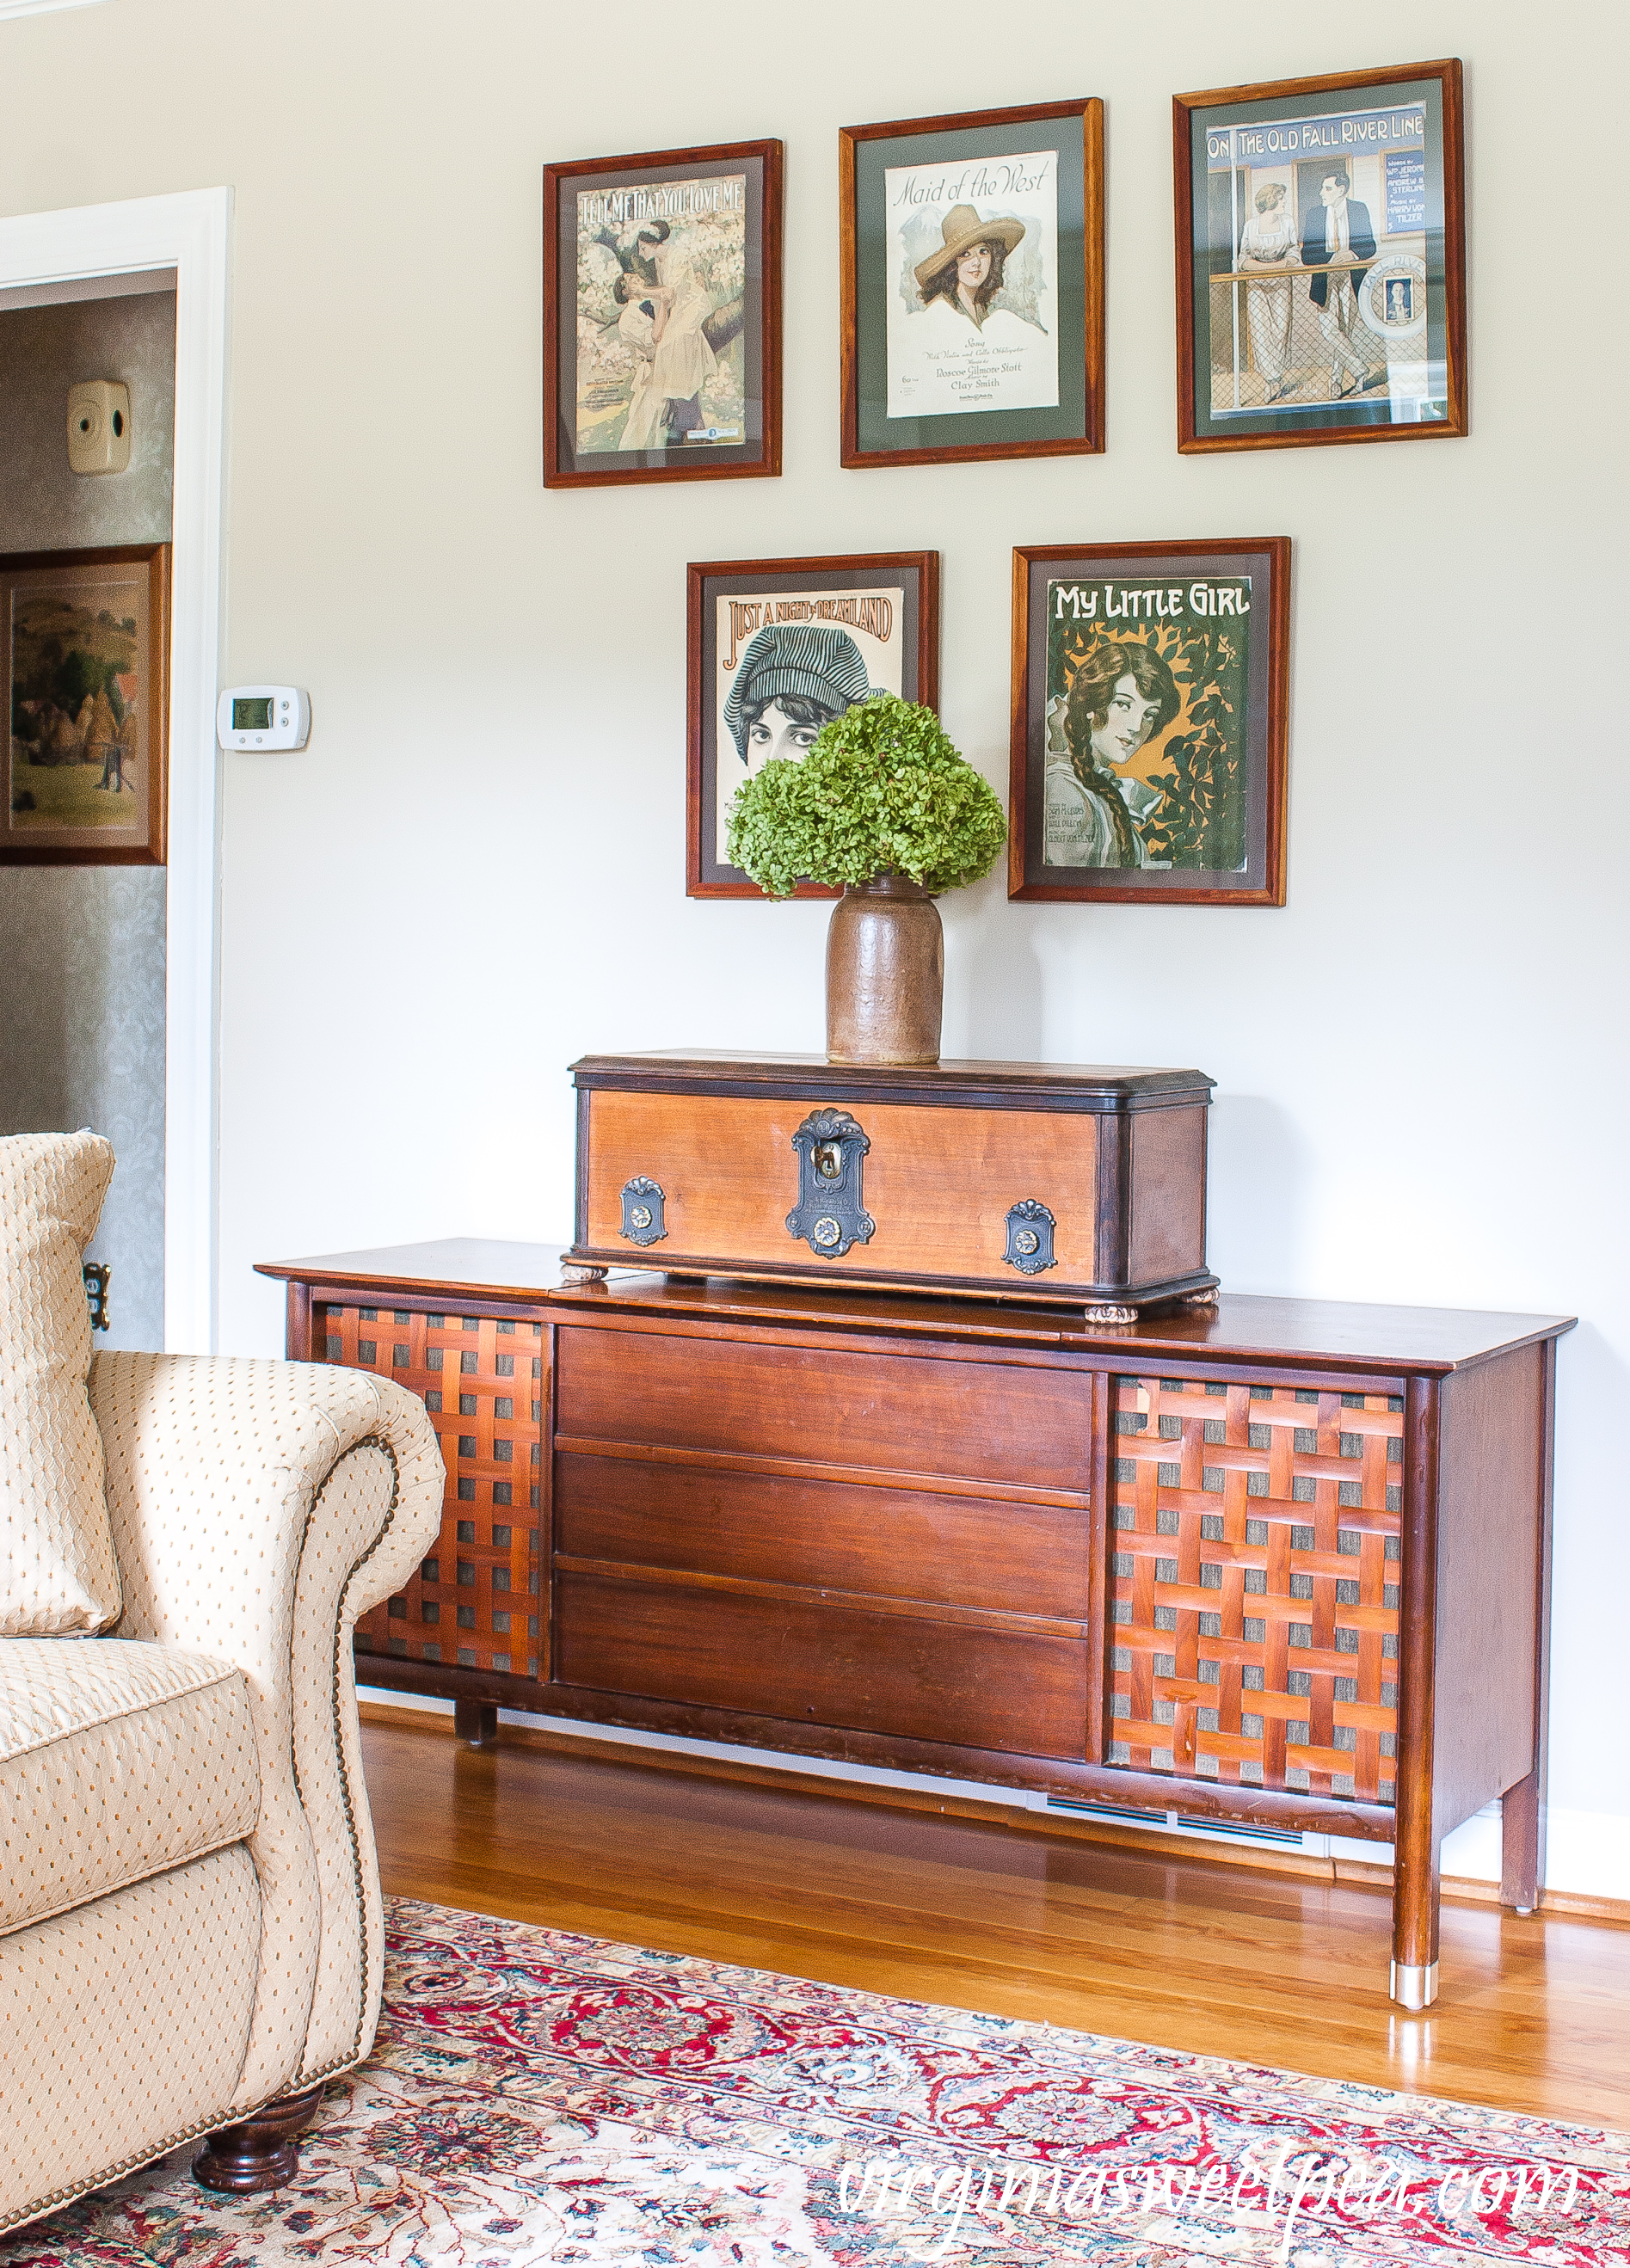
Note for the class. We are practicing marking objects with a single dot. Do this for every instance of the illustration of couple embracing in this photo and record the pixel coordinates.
(665, 321)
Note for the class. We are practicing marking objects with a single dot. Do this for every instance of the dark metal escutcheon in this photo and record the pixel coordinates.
(642, 1211)
(830, 1213)
(1029, 1238)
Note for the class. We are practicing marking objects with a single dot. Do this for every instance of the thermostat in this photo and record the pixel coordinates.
(263, 716)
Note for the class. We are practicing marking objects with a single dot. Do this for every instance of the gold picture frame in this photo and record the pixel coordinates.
(85, 655)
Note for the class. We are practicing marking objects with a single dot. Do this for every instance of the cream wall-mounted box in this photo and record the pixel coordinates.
(98, 426)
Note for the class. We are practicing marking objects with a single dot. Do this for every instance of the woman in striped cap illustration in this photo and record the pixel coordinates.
(794, 678)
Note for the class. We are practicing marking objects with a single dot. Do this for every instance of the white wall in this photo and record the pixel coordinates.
(476, 870)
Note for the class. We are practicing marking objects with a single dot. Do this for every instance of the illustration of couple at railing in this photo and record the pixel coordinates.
(1337, 243)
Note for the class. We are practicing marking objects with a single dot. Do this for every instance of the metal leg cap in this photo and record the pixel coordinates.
(1413, 1987)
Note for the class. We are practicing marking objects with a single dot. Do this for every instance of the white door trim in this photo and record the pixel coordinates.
(190, 231)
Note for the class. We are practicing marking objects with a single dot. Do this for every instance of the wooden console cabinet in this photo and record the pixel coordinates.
(1281, 1562)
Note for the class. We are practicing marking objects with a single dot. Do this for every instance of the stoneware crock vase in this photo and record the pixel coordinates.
(885, 974)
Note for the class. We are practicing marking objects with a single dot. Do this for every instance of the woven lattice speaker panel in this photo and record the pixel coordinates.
(474, 1603)
(1255, 1582)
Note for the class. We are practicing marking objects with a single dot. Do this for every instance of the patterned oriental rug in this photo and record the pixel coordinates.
(537, 2096)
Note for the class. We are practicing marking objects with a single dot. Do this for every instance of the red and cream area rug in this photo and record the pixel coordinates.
(537, 2096)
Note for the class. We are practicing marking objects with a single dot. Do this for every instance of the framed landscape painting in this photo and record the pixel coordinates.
(662, 316)
(1148, 722)
(972, 263)
(776, 648)
(1321, 259)
(85, 649)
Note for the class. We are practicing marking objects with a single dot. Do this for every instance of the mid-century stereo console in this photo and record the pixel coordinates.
(763, 1461)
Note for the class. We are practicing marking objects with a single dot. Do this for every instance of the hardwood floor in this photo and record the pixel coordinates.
(1535, 2015)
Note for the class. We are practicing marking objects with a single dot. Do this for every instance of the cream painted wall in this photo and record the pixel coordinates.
(476, 870)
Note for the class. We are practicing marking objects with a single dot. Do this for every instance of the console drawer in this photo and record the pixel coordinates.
(957, 1680)
(981, 1551)
(1013, 1425)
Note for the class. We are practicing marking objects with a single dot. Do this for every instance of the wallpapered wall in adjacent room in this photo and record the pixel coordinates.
(82, 1008)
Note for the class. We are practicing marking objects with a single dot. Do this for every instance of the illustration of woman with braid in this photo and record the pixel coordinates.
(1121, 696)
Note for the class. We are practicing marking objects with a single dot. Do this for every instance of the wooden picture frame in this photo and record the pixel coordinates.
(700, 230)
(822, 632)
(1164, 783)
(1284, 342)
(84, 674)
(1035, 355)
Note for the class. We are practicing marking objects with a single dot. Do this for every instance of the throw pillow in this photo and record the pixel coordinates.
(60, 1575)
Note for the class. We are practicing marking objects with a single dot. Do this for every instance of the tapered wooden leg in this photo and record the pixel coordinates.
(476, 1722)
(1415, 1838)
(261, 2151)
(1415, 1923)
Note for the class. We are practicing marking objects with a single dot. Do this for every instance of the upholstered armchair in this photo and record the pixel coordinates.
(191, 1937)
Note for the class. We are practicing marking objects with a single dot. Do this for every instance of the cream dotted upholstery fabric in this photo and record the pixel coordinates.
(257, 1508)
(122, 2027)
(242, 1535)
(60, 1572)
(117, 1760)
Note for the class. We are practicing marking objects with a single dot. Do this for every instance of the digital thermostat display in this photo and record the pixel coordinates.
(263, 716)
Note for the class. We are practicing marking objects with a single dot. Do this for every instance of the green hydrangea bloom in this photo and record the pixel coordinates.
(881, 790)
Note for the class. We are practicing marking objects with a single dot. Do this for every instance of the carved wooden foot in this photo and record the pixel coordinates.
(578, 1272)
(1206, 1299)
(476, 1722)
(1105, 1312)
(261, 2151)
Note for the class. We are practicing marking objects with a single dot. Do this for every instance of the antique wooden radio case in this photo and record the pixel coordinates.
(1037, 1182)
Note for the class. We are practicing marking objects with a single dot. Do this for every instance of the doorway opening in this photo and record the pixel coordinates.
(123, 994)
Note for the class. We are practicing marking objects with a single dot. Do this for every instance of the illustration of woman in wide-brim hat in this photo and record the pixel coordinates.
(965, 274)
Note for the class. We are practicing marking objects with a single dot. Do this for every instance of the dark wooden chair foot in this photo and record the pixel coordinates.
(476, 1722)
(261, 2151)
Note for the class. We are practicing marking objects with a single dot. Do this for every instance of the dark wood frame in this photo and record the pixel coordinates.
(1089, 109)
(860, 565)
(1449, 78)
(560, 474)
(156, 558)
(1112, 890)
